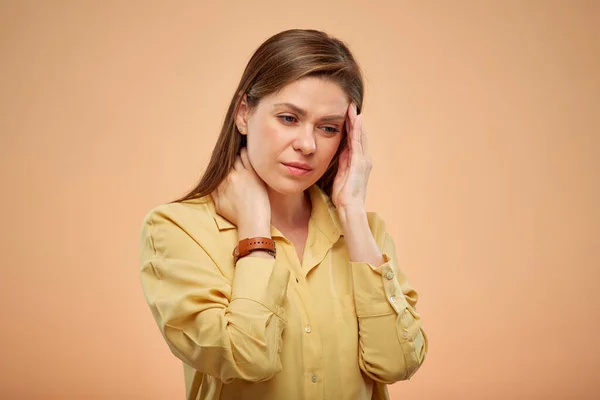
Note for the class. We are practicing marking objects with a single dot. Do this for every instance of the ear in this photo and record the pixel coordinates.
(241, 118)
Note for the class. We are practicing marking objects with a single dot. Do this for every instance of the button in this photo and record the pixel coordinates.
(389, 275)
(314, 378)
(393, 299)
(307, 329)
(405, 335)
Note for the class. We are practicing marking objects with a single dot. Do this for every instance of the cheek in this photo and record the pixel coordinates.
(263, 129)
(262, 138)
(268, 137)
(334, 147)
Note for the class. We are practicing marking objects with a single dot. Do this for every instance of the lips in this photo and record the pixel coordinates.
(299, 165)
(297, 171)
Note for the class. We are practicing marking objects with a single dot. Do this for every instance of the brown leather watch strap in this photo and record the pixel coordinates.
(248, 245)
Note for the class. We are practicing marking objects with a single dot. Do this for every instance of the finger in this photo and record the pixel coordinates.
(364, 139)
(344, 159)
(350, 116)
(356, 139)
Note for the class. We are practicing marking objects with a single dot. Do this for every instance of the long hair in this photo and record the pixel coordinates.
(282, 59)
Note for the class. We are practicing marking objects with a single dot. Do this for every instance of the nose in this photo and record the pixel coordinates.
(305, 140)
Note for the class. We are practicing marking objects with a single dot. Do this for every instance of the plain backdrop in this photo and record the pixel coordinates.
(484, 127)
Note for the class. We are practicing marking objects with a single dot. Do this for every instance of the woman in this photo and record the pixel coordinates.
(270, 280)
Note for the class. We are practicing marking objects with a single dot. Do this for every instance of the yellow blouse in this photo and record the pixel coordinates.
(273, 328)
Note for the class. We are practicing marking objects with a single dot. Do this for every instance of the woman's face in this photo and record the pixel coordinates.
(301, 123)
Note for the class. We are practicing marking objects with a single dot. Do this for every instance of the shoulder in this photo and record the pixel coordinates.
(180, 213)
(173, 222)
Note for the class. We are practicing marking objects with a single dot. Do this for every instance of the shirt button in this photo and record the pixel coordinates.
(389, 275)
(393, 299)
(307, 329)
(314, 378)
(405, 335)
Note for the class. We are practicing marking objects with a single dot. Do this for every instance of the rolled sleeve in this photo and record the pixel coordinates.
(259, 283)
(392, 341)
(227, 328)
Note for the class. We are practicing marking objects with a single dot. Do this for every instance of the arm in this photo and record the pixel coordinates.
(227, 328)
(392, 343)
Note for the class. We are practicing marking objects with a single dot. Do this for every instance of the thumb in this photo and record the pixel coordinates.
(343, 160)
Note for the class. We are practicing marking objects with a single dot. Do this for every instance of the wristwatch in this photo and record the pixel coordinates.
(248, 245)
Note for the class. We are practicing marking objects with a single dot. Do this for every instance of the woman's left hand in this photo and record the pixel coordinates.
(350, 184)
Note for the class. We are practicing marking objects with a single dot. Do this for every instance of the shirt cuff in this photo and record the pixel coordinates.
(261, 280)
(376, 289)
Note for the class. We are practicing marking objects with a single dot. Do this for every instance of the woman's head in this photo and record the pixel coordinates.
(294, 72)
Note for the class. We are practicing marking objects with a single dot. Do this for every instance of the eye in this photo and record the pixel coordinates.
(331, 129)
(287, 118)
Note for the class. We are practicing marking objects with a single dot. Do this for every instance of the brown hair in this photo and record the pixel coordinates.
(282, 59)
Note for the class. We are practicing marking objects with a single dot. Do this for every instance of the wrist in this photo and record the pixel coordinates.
(350, 214)
(254, 229)
(260, 254)
(248, 246)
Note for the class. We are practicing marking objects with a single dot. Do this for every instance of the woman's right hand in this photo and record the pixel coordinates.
(242, 197)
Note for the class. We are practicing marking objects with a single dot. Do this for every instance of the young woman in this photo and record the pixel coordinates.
(270, 280)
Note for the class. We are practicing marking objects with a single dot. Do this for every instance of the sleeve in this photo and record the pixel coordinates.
(392, 343)
(227, 328)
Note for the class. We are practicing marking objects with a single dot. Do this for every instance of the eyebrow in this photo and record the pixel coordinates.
(303, 112)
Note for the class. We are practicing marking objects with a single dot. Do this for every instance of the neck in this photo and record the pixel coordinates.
(289, 210)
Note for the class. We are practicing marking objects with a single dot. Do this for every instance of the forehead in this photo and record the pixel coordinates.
(313, 94)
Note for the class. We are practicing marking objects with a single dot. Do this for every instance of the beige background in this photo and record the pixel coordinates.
(484, 127)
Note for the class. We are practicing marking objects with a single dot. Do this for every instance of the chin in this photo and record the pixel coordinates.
(289, 188)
